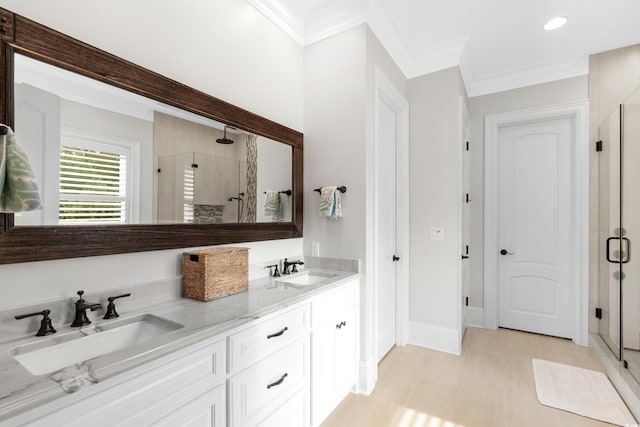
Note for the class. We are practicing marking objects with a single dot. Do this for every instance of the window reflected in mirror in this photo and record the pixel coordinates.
(102, 155)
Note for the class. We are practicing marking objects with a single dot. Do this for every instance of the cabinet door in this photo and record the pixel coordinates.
(346, 351)
(208, 410)
(334, 352)
(322, 371)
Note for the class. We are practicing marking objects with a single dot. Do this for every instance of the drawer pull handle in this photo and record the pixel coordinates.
(277, 334)
(279, 381)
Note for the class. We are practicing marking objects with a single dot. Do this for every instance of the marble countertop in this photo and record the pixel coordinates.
(20, 390)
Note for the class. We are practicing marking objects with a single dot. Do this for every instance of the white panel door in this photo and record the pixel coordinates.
(387, 125)
(535, 232)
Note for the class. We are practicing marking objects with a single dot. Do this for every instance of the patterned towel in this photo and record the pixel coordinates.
(272, 205)
(330, 203)
(18, 187)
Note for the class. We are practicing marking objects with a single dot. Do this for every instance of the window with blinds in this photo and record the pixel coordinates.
(93, 183)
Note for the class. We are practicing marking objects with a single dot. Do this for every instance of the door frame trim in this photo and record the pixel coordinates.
(579, 112)
(385, 89)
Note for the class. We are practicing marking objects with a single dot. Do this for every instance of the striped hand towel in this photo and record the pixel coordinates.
(272, 205)
(330, 203)
(18, 187)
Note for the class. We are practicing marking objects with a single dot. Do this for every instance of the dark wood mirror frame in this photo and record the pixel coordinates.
(38, 243)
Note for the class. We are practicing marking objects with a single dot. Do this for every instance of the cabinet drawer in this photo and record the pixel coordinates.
(258, 390)
(205, 411)
(294, 412)
(252, 344)
(328, 306)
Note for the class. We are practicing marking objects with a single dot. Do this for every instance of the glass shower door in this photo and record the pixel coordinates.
(610, 232)
(631, 228)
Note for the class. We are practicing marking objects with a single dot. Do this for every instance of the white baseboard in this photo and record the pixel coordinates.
(435, 337)
(475, 317)
(367, 377)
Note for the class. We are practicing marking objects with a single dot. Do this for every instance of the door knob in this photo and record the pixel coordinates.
(505, 252)
(395, 258)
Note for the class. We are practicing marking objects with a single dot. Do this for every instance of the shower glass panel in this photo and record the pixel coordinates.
(610, 231)
(175, 189)
(200, 188)
(631, 226)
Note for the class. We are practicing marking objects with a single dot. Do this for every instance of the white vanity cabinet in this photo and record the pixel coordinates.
(291, 367)
(334, 349)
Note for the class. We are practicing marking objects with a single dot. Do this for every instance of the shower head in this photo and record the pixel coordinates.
(224, 139)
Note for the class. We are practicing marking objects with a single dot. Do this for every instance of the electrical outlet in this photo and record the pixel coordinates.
(315, 248)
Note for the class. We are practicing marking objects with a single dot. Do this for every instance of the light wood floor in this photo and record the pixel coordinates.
(491, 385)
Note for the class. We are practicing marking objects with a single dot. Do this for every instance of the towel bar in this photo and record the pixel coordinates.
(287, 192)
(341, 189)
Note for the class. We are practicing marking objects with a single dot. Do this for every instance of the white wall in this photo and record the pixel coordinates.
(560, 91)
(225, 48)
(334, 124)
(435, 202)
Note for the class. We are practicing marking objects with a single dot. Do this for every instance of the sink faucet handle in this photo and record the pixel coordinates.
(275, 272)
(111, 308)
(46, 328)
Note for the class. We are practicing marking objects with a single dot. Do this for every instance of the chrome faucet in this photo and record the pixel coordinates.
(286, 264)
(81, 311)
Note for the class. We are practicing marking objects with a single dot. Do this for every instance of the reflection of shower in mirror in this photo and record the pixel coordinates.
(240, 204)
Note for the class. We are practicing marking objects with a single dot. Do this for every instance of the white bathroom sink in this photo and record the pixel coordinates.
(57, 352)
(307, 278)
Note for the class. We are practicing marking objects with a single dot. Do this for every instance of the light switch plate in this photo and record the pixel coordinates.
(437, 233)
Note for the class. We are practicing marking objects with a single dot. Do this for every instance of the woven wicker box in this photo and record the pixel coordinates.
(215, 273)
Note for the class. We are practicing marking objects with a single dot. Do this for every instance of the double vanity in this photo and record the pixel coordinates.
(283, 353)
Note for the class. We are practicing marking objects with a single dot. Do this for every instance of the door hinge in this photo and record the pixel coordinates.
(159, 170)
(467, 198)
(598, 313)
(625, 364)
(598, 146)
(466, 301)
(194, 165)
(466, 250)
(467, 146)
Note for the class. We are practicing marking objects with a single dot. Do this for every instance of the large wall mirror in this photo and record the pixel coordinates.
(127, 160)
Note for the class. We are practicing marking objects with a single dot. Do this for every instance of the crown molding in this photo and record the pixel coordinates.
(287, 21)
(337, 28)
(442, 57)
(563, 68)
(412, 64)
(389, 35)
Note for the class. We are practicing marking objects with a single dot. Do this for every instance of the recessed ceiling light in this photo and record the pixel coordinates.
(555, 23)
